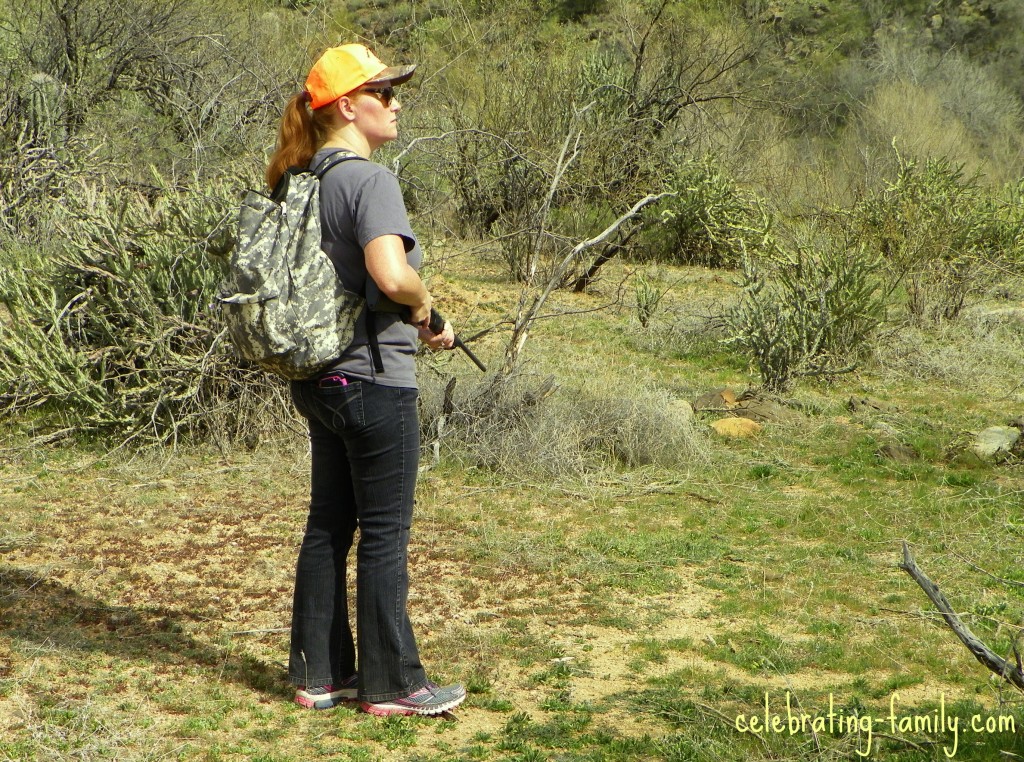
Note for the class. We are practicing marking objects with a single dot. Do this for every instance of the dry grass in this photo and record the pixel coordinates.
(983, 353)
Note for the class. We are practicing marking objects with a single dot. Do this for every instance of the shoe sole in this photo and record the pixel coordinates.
(325, 702)
(388, 709)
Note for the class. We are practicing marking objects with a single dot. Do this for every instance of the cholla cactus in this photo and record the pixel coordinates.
(43, 106)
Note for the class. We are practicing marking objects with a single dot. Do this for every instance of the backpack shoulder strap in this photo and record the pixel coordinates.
(334, 159)
(280, 191)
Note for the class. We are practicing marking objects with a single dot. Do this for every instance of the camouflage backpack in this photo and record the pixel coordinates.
(282, 301)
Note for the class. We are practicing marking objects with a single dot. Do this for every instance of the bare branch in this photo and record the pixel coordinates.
(1000, 580)
(397, 161)
(560, 169)
(527, 316)
(1002, 667)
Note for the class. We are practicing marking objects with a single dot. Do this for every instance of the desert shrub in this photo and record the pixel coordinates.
(647, 296)
(32, 179)
(808, 311)
(913, 118)
(575, 10)
(826, 97)
(528, 425)
(547, 121)
(500, 108)
(978, 27)
(708, 221)
(941, 235)
(990, 111)
(186, 86)
(509, 165)
(933, 106)
(110, 332)
(494, 175)
(124, 141)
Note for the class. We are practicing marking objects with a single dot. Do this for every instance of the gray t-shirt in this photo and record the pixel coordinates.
(360, 201)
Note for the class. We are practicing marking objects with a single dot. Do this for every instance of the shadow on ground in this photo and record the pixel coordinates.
(34, 609)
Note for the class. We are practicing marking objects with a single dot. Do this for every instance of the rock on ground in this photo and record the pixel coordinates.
(736, 428)
(995, 441)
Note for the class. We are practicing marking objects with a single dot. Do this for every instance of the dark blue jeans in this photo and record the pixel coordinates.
(365, 450)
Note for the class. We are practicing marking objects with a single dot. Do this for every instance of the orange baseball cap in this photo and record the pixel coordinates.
(342, 69)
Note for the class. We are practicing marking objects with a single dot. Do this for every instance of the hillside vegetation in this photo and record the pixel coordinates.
(872, 155)
(806, 215)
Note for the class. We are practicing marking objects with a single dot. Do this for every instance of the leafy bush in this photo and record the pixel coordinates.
(808, 312)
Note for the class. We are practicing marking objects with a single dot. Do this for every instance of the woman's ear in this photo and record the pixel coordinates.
(346, 107)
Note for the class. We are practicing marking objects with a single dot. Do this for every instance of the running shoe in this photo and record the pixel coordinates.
(327, 696)
(431, 699)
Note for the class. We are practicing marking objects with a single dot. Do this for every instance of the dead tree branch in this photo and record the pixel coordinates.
(527, 315)
(581, 283)
(396, 163)
(1008, 671)
(565, 158)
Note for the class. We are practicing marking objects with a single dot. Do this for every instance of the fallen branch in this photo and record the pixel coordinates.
(1012, 673)
(1000, 580)
(272, 630)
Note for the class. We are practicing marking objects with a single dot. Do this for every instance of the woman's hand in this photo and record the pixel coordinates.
(443, 340)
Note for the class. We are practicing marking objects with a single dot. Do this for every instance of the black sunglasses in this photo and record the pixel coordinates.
(384, 94)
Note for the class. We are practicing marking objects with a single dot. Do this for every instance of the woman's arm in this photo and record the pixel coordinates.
(390, 270)
(396, 279)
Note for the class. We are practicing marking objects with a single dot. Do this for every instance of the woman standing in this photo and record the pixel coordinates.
(362, 417)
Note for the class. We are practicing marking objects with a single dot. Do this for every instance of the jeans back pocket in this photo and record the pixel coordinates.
(338, 407)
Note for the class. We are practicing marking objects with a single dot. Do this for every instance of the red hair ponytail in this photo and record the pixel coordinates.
(300, 135)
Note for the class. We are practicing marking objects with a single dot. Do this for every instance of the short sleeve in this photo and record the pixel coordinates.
(380, 210)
